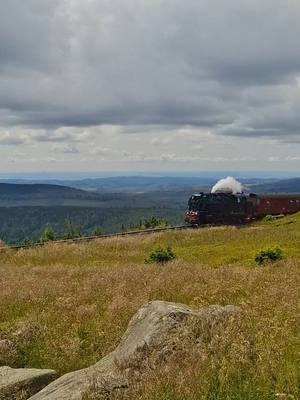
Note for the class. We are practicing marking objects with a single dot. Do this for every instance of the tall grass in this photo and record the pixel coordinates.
(64, 307)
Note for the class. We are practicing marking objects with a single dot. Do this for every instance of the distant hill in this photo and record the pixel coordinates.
(43, 194)
(13, 191)
(130, 192)
(140, 184)
(280, 186)
(20, 195)
(128, 184)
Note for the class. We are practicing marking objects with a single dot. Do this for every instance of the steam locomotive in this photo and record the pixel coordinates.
(229, 208)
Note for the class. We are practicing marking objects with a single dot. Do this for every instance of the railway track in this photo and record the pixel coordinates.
(99, 237)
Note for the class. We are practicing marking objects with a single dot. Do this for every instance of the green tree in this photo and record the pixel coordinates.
(71, 231)
(48, 234)
(97, 231)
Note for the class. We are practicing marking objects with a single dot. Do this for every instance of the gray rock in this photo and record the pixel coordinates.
(152, 333)
(19, 384)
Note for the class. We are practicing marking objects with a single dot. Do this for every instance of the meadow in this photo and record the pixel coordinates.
(66, 306)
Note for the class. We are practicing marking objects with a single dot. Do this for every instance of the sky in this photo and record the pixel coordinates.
(149, 85)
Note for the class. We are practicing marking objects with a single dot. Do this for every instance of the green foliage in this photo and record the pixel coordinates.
(97, 231)
(269, 218)
(71, 231)
(148, 223)
(48, 234)
(27, 242)
(3, 237)
(161, 255)
(269, 255)
(18, 223)
(155, 222)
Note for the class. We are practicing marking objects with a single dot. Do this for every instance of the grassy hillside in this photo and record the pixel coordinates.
(66, 306)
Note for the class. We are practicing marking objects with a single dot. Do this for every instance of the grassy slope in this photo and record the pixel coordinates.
(67, 306)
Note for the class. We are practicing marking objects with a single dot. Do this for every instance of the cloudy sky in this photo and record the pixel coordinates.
(105, 85)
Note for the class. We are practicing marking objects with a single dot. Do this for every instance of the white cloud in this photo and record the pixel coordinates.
(162, 141)
(10, 139)
(292, 158)
(66, 149)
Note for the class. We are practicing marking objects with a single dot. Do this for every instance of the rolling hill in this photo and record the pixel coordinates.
(278, 186)
(43, 194)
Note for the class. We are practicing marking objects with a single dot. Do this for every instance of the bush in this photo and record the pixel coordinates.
(161, 255)
(150, 223)
(269, 255)
(269, 218)
(71, 231)
(96, 231)
(153, 222)
(27, 242)
(47, 234)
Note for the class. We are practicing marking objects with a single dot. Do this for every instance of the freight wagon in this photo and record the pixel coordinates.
(224, 208)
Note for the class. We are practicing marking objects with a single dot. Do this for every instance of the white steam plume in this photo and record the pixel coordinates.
(228, 185)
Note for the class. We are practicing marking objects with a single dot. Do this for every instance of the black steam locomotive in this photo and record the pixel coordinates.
(229, 208)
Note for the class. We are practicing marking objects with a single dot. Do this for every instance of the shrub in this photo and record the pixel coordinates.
(71, 231)
(97, 231)
(161, 255)
(269, 255)
(269, 218)
(27, 242)
(47, 234)
(153, 222)
(150, 223)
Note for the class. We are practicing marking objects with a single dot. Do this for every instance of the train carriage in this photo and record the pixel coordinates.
(268, 204)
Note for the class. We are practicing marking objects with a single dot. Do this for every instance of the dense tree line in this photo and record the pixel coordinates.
(28, 223)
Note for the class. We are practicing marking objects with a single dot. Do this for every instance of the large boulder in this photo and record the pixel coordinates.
(151, 337)
(19, 384)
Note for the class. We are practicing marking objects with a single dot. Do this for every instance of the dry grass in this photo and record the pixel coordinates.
(66, 306)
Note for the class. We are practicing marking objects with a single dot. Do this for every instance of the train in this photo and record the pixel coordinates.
(239, 208)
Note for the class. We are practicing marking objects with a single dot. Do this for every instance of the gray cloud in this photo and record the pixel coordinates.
(231, 66)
